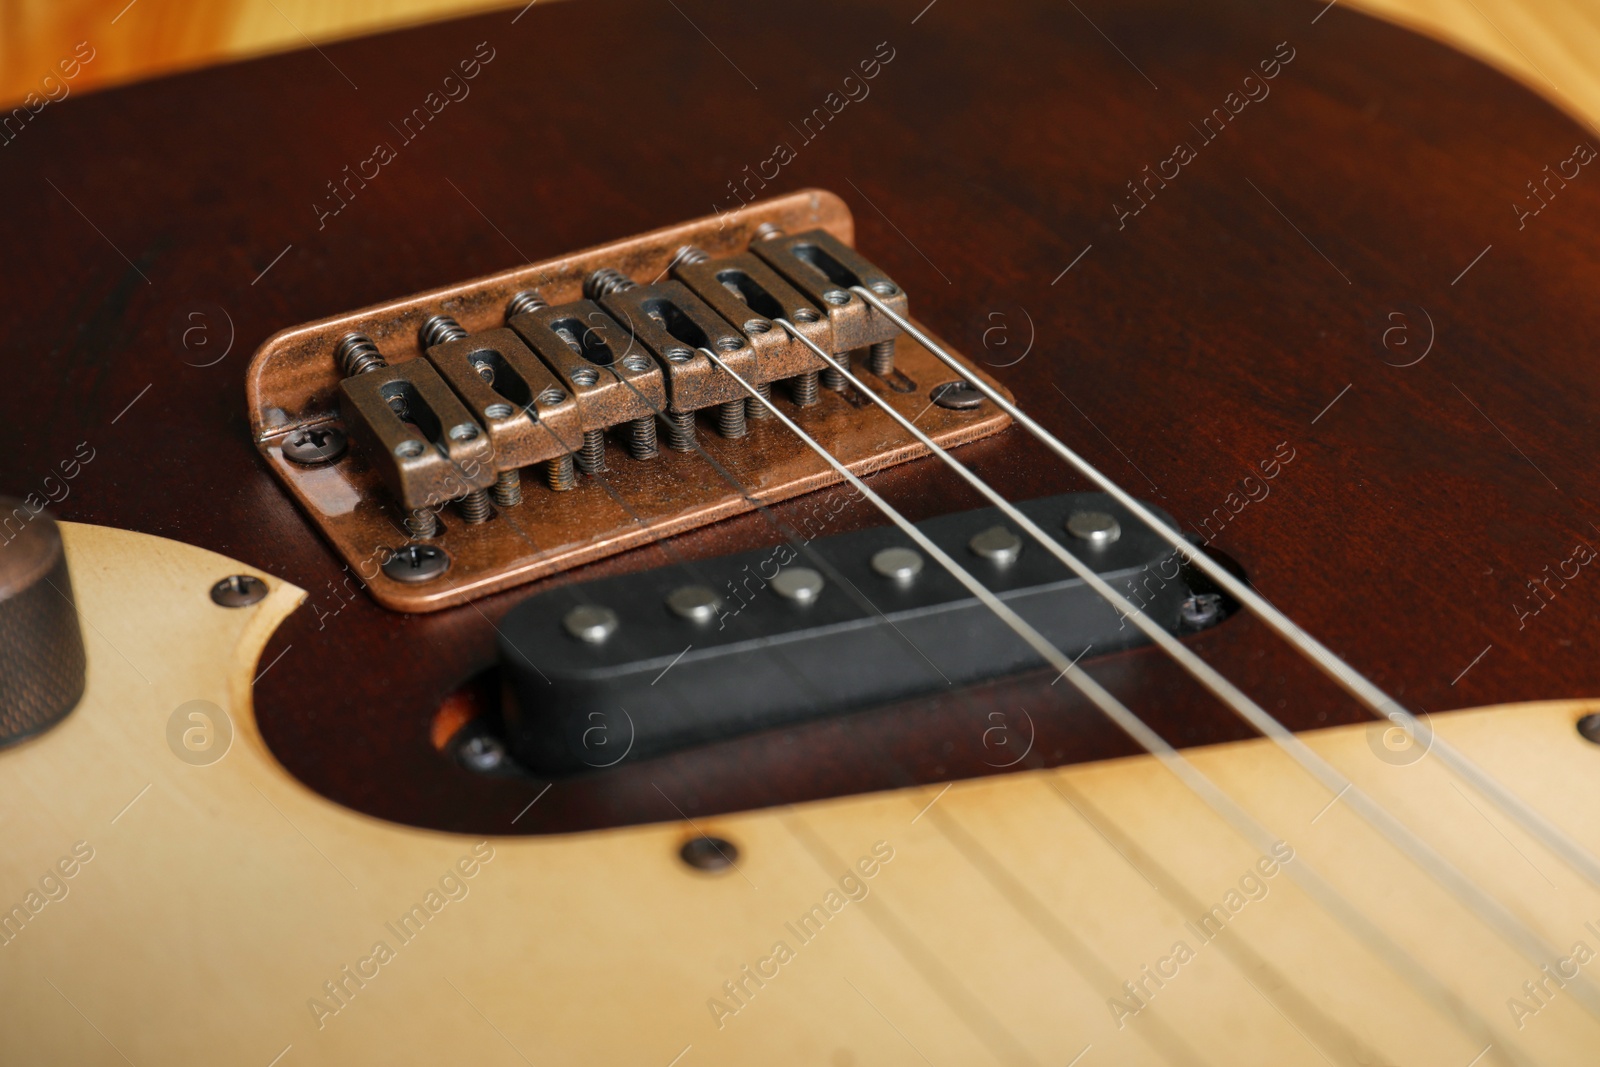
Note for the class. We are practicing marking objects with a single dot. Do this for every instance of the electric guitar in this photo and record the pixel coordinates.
(1016, 535)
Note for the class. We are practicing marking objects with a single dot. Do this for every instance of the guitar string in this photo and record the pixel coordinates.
(963, 1002)
(1439, 996)
(1579, 859)
(1485, 907)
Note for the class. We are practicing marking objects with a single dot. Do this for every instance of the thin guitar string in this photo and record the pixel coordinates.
(1579, 859)
(1439, 996)
(1480, 903)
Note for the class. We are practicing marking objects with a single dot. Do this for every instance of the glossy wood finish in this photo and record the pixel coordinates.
(1178, 353)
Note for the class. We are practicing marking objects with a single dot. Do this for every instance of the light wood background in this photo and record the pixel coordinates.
(1551, 45)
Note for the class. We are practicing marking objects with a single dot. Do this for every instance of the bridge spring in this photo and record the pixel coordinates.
(605, 281)
(525, 301)
(438, 330)
(356, 354)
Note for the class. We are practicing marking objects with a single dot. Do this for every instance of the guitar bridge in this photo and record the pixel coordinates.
(474, 437)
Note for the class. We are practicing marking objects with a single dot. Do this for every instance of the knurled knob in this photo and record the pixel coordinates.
(42, 665)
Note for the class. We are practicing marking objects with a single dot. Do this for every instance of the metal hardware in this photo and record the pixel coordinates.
(851, 652)
(956, 396)
(899, 563)
(438, 330)
(697, 603)
(1095, 527)
(481, 753)
(42, 663)
(295, 384)
(315, 445)
(824, 268)
(709, 853)
(800, 584)
(998, 544)
(238, 591)
(416, 563)
(591, 623)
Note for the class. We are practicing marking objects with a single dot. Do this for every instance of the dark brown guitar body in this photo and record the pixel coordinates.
(1253, 316)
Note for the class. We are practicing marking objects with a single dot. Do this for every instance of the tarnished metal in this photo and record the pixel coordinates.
(597, 361)
(433, 455)
(530, 415)
(824, 268)
(294, 384)
(671, 324)
(747, 292)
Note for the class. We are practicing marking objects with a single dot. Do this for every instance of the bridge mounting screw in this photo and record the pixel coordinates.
(315, 445)
(416, 563)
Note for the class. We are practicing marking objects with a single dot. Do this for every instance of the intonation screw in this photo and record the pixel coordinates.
(559, 472)
(356, 354)
(524, 302)
(755, 409)
(508, 488)
(730, 419)
(475, 506)
(592, 456)
(689, 255)
(642, 438)
(422, 524)
(834, 379)
(767, 231)
(803, 389)
(605, 281)
(680, 431)
(880, 358)
(439, 329)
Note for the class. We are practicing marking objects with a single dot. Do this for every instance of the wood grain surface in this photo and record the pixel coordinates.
(1250, 308)
(184, 901)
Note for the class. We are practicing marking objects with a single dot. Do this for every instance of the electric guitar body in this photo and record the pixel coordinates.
(1314, 291)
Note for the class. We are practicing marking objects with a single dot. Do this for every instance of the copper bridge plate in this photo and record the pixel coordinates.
(292, 385)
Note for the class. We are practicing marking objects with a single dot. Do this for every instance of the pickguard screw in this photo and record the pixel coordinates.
(482, 753)
(315, 445)
(709, 853)
(1589, 728)
(238, 591)
(416, 563)
(957, 396)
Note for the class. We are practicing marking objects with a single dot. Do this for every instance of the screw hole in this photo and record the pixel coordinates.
(884, 288)
(465, 431)
(637, 364)
(552, 396)
(709, 853)
(806, 315)
(498, 411)
(757, 326)
(679, 355)
(1589, 728)
(836, 297)
(729, 344)
(585, 376)
(408, 449)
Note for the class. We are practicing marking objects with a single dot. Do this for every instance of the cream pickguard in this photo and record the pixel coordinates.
(212, 906)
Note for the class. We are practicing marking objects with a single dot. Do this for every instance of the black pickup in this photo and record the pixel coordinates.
(641, 664)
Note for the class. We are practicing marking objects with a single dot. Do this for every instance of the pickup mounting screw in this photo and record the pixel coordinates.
(315, 445)
(238, 591)
(1095, 527)
(997, 544)
(1200, 610)
(697, 603)
(416, 563)
(481, 753)
(709, 853)
(591, 623)
(899, 563)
